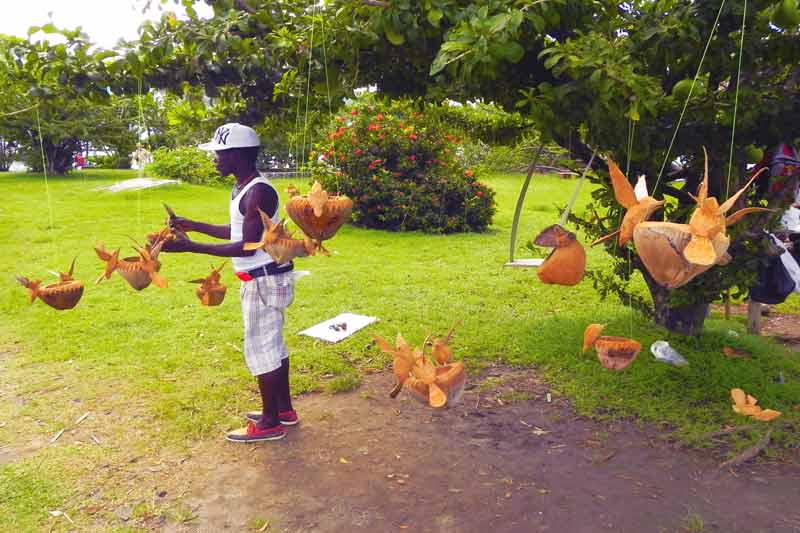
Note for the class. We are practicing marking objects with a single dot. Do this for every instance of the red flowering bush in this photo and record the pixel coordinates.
(400, 168)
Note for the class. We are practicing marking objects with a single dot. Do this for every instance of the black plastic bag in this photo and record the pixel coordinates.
(774, 283)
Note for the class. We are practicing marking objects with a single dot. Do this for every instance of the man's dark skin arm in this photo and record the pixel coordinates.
(259, 196)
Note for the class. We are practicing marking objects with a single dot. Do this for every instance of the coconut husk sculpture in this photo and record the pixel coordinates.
(211, 292)
(436, 379)
(277, 241)
(674, 254)
(566, 264)
(637, 209)
(62, 295)
(614, 353)
(319, 214)
(139, 271)
(746, 405)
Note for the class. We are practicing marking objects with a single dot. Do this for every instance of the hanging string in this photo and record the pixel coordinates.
(308, 81)
(297, 158)
(141, 167)
(17, 112)
(631, 127)
(736, 101)
(689, 96)
(44, 169)
(328, 88)
(568, 210)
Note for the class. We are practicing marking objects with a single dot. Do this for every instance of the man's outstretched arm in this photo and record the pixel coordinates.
(259, 197)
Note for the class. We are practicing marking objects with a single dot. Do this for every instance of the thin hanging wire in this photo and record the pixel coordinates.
(736, 102)
(308, 75)
(44, 169)
(18, 111)
(328, 88)
(631, 129)
(297, 159)
(571, 203)
(689, 96)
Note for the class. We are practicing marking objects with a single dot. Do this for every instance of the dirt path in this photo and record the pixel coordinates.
(362, 462)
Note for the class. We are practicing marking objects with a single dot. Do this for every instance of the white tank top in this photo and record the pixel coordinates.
(260, 258)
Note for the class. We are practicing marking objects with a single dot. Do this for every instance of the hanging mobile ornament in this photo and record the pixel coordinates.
(62, 295)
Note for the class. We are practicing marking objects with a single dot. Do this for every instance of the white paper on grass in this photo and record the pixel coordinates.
(332, 330)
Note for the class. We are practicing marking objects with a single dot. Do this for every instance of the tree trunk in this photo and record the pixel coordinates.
(686, 320)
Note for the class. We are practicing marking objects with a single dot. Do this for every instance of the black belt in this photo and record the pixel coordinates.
(270, 269)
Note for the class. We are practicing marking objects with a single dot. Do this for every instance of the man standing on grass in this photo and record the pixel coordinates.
(267, 287)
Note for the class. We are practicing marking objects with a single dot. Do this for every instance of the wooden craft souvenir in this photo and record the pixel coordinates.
(277, 241)
(614, 353)
(674, 254)
(319, 214)
(747, 405)
(637, 210)
(707, 223)
(211, 292)
(138, 271)
(62, 295)
(566, 264)
(437, 385)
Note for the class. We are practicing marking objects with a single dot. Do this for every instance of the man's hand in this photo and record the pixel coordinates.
(178, 244)
(182, 224)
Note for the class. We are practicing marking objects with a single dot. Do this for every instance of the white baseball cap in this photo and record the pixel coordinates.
(232, 135)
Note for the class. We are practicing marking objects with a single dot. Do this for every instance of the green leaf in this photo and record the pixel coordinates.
(394, 37)
(435, 16)
(513, 52)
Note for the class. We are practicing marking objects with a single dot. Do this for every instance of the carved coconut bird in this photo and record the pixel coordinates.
(638, 209)
(435, 384)
(277, 241)
(674, 254)
(138, 271)
(62, 295)
(211, 292)
(747, 405)
(566, 264)
(614, 353)
(319, 214)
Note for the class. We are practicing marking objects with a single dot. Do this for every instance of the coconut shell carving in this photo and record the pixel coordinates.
(708, 221)
(139, 271)
(614, 353)
(674, 254)
(211, 292)
(747, 405)
(637, 209)
(277, 241)
(62, 295)
(566, 264)
(319, 214)
(660, 245)
(437, 385)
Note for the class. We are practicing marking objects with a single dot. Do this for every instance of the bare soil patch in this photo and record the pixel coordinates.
(504, 459)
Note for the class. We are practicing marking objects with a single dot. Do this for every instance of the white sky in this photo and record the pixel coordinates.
(105, 21)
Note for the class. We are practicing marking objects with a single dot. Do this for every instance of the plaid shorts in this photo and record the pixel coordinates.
(264, 300)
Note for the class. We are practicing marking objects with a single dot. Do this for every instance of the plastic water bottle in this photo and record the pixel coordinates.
(665, 353)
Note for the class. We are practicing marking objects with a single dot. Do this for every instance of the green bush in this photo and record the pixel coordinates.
(186, 163)
(401, 169)
(112, 161)
(488, 123)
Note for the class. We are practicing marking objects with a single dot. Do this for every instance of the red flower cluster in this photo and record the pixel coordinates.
(376, 163)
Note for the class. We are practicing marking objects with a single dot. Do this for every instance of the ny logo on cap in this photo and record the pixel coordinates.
(221, 136)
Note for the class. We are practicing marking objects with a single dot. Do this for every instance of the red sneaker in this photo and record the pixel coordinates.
(287, 418)
(253, 433)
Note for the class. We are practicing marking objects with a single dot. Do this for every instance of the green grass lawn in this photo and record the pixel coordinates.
(173, 372)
